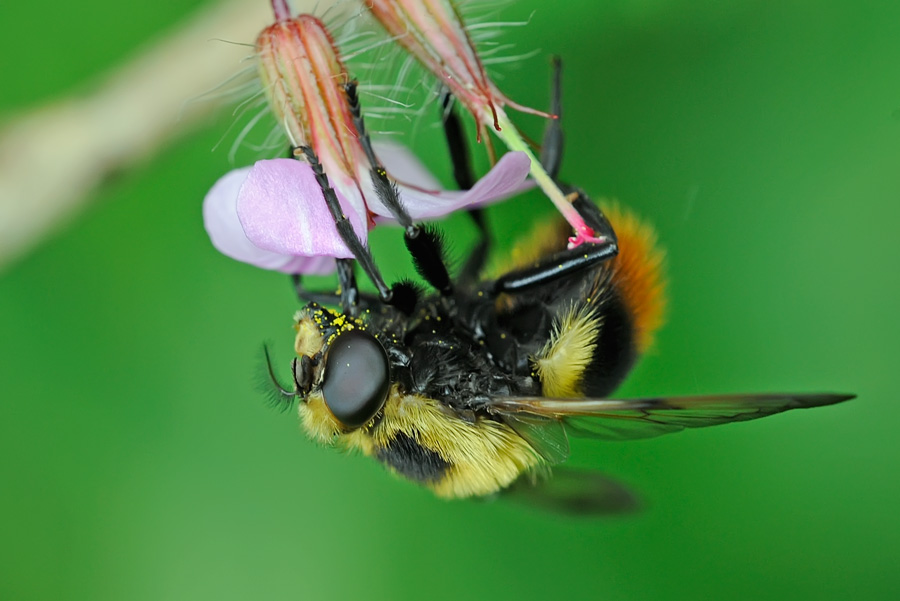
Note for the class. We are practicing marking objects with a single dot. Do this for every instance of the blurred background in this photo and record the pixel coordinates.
(139, 460)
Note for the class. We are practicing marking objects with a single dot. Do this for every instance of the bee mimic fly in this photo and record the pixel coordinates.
(475, 386)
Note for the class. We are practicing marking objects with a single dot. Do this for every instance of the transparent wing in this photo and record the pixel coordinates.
(573, 492)
(612, 419)
(546, 435)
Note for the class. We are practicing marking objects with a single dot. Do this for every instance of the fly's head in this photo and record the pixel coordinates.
(341, 372)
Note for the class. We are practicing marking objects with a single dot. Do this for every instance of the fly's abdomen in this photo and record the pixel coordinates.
(410, 459)
(599, 333)
(420, 439)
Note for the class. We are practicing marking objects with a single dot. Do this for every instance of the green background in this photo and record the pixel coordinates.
(138, 461)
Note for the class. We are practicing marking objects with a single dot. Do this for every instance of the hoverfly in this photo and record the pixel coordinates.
(475, 386)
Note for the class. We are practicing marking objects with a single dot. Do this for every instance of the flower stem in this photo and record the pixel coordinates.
(510, 135)
(281, 9)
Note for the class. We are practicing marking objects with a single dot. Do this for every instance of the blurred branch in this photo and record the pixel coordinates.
(52, 157)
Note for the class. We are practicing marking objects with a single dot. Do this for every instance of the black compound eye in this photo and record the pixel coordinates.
(357, 378)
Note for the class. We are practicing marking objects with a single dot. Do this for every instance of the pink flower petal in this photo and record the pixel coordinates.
(274, 215)
(221, 221)
(404, 166)
(504, 180)
(282, 209)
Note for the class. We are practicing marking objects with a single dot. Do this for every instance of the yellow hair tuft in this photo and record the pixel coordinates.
(562, 361)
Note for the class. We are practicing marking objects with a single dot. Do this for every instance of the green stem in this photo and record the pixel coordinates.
(514, 141)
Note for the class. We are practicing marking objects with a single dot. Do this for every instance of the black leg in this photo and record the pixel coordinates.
(344, 227)
(456, 143)
(552, 148)
(424, 244)
(553, 268)
(314, 296)
(399, 296)
(591, 213)
(348, 291)
(364, 301)
(554, 141)
(471, 269)
(465, 179)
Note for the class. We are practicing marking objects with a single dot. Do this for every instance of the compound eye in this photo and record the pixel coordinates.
(357, 378)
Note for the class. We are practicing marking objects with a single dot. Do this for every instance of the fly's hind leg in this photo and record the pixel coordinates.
(562, 265)
(569, 262)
